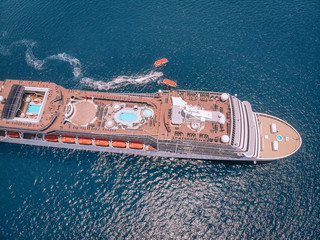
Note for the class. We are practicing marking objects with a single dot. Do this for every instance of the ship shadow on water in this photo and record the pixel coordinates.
(58, 154)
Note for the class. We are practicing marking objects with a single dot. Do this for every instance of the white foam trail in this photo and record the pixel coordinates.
(74, 62)
(3, 50)
(39, 64)
(122, 81)
(30, 58)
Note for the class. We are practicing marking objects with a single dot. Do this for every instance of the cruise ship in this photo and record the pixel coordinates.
(174, 124)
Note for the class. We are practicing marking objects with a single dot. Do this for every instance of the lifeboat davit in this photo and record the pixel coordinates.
(169, 83)
(161, 62)
(51, 138)
(102, 142)
(68, 139)
(84, 141)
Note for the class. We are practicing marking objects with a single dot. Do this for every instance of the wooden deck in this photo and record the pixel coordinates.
(77, 114)
(288, 141)
(88, 116)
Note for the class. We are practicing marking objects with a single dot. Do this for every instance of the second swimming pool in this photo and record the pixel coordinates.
(33, 108)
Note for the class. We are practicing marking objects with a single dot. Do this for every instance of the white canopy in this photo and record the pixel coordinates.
(181, 111)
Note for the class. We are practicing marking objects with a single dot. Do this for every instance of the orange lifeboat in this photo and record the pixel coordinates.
(119, 144)
(136, 145)
(161, 62)
(51, 138)
(102, 142)
(151, 148)
(169, 83)
(68, 139)
(84, 141)
(13, 134)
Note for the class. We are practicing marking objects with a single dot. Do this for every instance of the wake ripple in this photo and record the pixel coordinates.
(39, 65)
(122, 81)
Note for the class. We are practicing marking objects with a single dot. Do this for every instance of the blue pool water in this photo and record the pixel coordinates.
(266, 52)
(33, 108)
(147, 113)
(127, 116)
(279, 138)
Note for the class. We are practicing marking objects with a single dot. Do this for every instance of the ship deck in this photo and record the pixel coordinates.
(90, 112)
(279, 140)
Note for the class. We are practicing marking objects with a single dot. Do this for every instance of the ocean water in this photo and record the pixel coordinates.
(267, 52)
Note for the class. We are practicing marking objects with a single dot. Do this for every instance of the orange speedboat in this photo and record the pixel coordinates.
(161, 62)
(169, 83)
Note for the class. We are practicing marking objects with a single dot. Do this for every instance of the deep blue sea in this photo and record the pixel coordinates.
(267, 52)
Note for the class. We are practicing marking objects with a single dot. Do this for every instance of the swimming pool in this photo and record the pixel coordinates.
(33, 108)
(147, 113)
(127, 116)
(279, 138)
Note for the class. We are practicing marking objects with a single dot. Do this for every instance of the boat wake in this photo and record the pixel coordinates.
(39, 64)
(122, 81)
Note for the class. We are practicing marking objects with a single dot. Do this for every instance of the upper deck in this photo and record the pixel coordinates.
(168, 115)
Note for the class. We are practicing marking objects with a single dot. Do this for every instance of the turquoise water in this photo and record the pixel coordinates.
(147, 113)
(127, 116)
(266, 52)
(33, 108)
(279, 138)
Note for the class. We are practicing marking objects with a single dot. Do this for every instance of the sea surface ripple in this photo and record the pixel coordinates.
(267, 52)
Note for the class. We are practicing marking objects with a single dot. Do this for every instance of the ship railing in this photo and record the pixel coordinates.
(146, 95)
(181, 147)
(252, 147)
